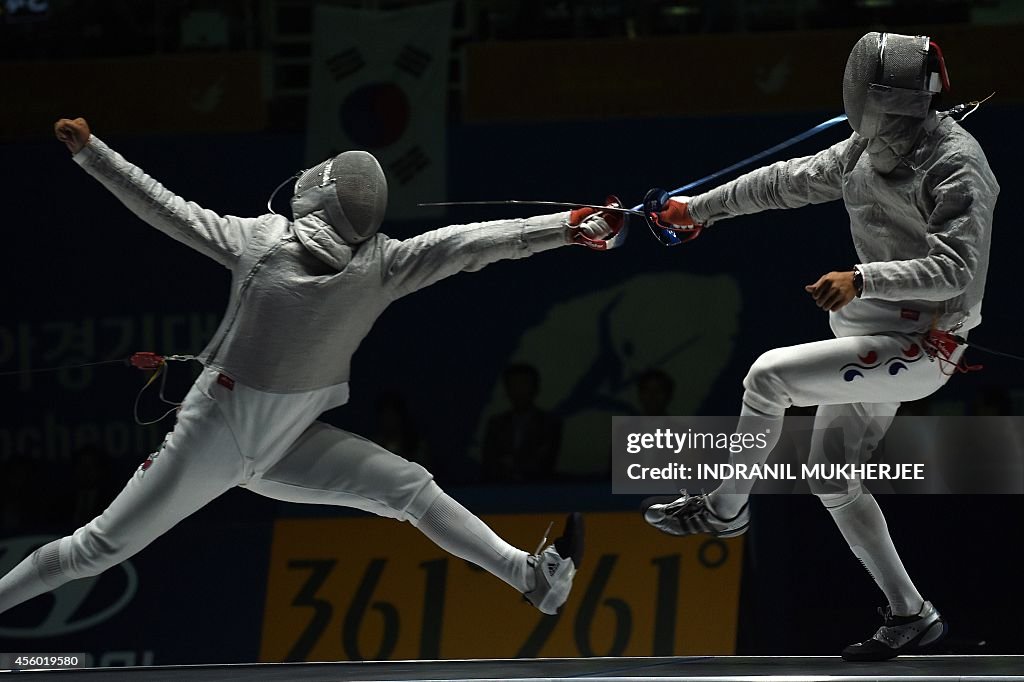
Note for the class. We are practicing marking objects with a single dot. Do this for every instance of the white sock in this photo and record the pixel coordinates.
(727, 500)
(456, 530)
(862, 524)
(37, 573)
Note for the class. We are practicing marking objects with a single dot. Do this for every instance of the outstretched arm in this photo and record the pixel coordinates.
(219, 237)
(786, 184)
(427, 258)
(415, 263)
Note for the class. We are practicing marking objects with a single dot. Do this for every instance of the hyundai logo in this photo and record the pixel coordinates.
(61, 619)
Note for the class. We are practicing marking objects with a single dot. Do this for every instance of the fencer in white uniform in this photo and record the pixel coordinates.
(304, 294)
(920, 197)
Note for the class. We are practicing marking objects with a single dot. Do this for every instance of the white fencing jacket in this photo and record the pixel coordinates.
(301, 299)
(922, 235)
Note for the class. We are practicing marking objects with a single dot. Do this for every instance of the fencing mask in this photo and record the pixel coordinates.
(887, 91)
(350, 188)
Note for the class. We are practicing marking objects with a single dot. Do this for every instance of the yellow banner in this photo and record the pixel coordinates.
(374, 589)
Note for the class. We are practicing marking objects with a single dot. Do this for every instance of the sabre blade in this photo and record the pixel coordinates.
(521, 202)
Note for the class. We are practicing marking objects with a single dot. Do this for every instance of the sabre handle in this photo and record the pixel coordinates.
(670, 221)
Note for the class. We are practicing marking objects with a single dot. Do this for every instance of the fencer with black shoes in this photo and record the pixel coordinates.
(555, 566)
(692, 515)
(900, 635)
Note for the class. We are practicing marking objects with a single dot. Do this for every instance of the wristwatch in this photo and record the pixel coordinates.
(858, 280)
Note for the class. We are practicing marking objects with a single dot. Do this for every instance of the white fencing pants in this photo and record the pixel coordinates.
(858, 381)
(228, 435)
(879, 368)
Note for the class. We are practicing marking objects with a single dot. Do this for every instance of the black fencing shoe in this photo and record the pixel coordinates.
(691, 515)
(899, 635)
(555, 566)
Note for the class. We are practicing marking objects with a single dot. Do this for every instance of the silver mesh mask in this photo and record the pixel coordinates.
(350, 189)
(887, 75)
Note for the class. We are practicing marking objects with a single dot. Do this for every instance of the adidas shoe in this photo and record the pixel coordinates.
(555, 566)
(691, 515)
(899, 635)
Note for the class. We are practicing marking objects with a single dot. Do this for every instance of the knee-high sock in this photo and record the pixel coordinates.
(729, 498)
(37, 573)
(456, 530)
(862, 524)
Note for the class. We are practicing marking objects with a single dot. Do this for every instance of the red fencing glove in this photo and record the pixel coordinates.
(594, 228)
(677, 213)
(669, 218)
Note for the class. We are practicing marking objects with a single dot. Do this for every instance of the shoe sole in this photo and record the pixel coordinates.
(732, 533)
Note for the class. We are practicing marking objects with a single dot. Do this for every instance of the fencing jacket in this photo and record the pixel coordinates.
(301, 299)
(922, 235)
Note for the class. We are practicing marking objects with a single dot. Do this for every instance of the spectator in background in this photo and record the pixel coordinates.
(654, 390)
(395, 429)
(521, 444)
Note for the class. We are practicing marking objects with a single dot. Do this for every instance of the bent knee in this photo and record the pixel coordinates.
(402, 490)
(835, 500)
(421, 501)
(765, 386)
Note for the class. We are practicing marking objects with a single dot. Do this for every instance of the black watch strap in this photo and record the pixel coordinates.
(858, 280)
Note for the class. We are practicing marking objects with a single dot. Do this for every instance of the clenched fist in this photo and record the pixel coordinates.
(833, 291)
(72, 132)
(596, 230)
